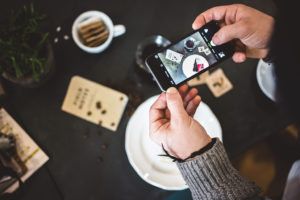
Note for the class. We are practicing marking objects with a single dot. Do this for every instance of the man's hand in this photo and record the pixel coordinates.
(172, 123)
(252, 29)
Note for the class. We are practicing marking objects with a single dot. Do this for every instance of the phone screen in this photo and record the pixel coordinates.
(192, 55)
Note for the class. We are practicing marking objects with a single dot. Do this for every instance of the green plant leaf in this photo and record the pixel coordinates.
(35, 74)
(41, 17)
(41, 42)
(25, 9)
(42, 70)
(17, 69)
(19, 46)
(32, 8)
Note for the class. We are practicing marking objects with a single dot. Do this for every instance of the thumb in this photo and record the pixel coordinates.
(228, 33)
(175, 104)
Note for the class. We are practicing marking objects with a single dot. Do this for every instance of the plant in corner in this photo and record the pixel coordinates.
(26, 55)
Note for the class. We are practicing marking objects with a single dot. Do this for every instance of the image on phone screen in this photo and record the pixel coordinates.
(190, 56)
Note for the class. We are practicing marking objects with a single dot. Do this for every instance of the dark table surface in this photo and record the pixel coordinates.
(74, 171)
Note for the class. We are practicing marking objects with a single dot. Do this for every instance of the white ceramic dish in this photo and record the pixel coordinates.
(188, 64)
(266, 79)
(143, 154)
(114, 30)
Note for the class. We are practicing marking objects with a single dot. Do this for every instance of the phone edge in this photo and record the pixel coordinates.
(157, 82)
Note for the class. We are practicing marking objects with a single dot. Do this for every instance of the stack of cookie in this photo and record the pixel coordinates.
(93, 32)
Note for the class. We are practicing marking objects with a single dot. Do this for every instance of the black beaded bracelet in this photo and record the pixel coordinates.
(196, 153)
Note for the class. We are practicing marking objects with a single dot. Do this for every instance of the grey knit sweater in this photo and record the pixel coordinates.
(211, 176)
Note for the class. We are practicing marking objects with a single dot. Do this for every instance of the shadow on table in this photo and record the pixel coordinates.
(180, 195)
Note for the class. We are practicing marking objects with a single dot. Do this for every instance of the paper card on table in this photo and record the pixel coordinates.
(173, 56)
(95, 103)
(218, 83)
(28, 151)
(199, 80)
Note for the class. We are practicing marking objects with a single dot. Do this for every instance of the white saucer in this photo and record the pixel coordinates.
(266, 79)
(188, 64)
(143, 154)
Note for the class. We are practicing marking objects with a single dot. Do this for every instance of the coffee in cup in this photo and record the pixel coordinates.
(190, 44)
(99, 39)
(93, 32)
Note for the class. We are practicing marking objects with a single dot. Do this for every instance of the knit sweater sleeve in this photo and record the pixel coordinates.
(211, 176)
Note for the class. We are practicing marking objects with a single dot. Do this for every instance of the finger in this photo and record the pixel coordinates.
(222, 24)
(157, 136)
(228, 33)
(175, 104)
(240, 52)
(199, 21)
(218, 13)
(157, 109)
(167, 114)
(183, 90)
(239, 57)
(239, 46)
(193, 105)
(189, 96)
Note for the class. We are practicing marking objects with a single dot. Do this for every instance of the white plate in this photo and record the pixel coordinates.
(143, 154)
(188, 64)
(266, 79)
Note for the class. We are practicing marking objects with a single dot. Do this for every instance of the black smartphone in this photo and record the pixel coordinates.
(188, 57)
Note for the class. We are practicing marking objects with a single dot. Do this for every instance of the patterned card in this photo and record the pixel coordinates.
(29, 152)
(199, 80)
(95, 102)
(218, 83)
(174, 56)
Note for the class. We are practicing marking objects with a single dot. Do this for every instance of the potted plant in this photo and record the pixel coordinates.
(26, 55)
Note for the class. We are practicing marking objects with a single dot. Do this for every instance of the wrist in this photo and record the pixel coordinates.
(198, 153)
(192, 154)
(192, 146)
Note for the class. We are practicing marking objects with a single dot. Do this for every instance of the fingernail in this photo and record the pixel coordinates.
(216, 40)
(241, 58)
(172, 90)
(194, 26)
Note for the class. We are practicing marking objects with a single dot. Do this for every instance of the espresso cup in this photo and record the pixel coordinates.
(190, 44)
(156, 41)
(114, 31)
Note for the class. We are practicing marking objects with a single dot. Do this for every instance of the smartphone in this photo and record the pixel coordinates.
(188, 57)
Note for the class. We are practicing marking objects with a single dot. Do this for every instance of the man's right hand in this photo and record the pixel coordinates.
(252, 29)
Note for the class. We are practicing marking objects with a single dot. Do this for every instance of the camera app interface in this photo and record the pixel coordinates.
(190, 56)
